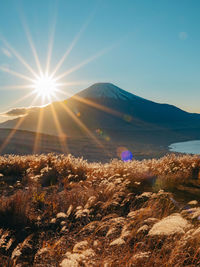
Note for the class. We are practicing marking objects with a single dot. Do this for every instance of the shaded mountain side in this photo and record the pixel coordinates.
(109, 95)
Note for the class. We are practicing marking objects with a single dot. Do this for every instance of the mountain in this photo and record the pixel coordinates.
(138, 107)
(106, 113)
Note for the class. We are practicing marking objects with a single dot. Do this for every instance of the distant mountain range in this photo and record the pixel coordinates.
(106, 113)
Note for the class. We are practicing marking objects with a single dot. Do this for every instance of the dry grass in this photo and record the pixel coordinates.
(34, 189)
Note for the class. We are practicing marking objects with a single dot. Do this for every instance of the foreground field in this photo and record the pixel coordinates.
(57, 210)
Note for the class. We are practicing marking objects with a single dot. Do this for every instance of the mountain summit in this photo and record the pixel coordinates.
(106, 90)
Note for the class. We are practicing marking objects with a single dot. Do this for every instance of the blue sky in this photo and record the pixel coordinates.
(148, 47)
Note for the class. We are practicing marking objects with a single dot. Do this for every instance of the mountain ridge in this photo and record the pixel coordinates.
(106, 90)
(106, 112)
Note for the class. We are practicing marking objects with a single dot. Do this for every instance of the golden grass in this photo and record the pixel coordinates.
(34, 189)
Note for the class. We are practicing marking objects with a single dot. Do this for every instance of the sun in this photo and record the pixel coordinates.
(45, 86)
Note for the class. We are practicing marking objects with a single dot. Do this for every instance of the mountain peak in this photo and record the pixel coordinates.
(105, 90)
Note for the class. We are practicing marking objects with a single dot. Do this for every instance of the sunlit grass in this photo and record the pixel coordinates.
(104, 203)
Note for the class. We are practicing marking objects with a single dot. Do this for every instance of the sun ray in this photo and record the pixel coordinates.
(73, 83)
(23, 98)
(83, 126)
(13, 131)
(19, 100)
(73, 43)
(50, 46)
(31, 43)
(67, 52)
(62, 136)
(18, 56)
(83, 63)
(38, 131)
(17, 87)
(17, 74)
(93, 104)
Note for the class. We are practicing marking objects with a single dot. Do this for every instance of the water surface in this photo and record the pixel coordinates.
(190, 147)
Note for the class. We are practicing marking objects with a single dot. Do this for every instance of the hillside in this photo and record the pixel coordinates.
(63, 211)
(25, 142)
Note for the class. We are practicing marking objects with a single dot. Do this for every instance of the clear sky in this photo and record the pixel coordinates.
(148, 47)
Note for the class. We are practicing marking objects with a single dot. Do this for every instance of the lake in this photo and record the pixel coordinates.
(190, 147)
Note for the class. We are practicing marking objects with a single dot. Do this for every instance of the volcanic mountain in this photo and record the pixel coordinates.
(107, 113)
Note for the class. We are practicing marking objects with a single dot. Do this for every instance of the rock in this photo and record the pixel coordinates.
(173, 224)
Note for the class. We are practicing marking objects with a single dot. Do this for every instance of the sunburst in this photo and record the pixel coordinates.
(46, 85)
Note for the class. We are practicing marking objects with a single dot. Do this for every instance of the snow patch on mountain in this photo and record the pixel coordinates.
(106, 90)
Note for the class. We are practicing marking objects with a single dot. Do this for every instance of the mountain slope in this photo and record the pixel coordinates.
(143, 109)
(108, 112)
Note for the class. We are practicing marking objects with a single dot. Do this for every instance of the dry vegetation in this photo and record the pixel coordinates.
(58, 210)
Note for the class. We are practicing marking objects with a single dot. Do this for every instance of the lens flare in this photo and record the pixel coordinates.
(124, 154)
(102, 134)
